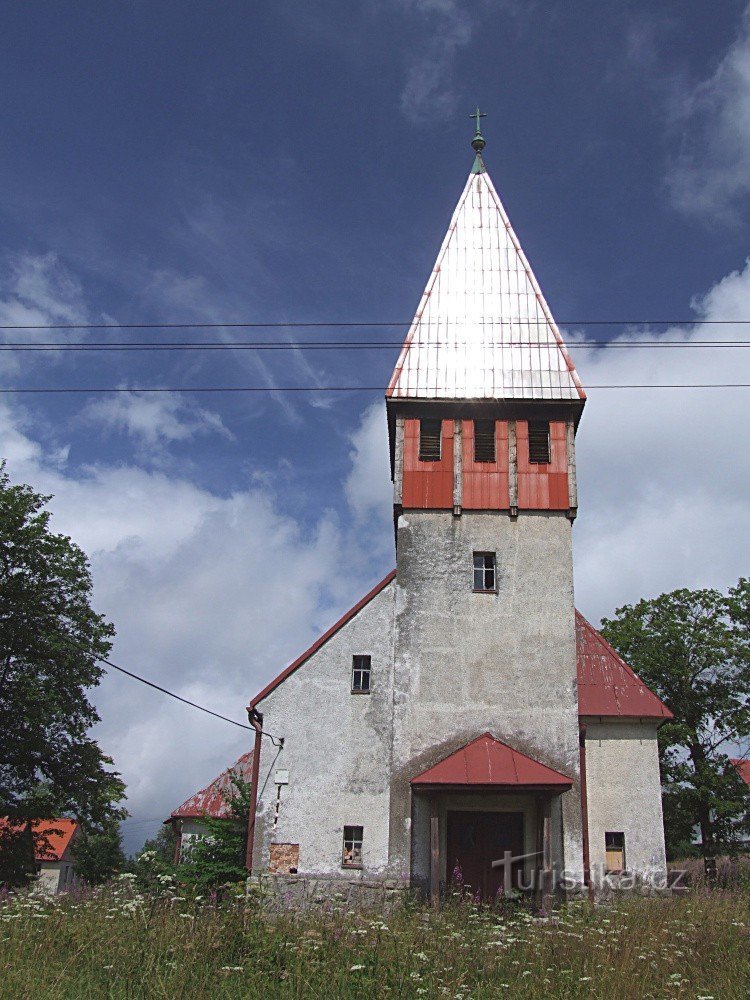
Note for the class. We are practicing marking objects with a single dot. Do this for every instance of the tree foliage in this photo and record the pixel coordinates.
(50, 644)
(219, 857)
(692, 648)
(99, 855)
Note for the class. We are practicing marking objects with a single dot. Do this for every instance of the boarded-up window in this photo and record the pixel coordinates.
(539, 442)
(352, 853)
(614, 846)
(361, 666)
(429, 440)
(485, 574)
(484, 440)
(284, 859)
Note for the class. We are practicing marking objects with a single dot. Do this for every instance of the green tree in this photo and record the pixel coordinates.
(163, 844)
(50, 644)
(219, 857)
(692, 648)
(99, 855)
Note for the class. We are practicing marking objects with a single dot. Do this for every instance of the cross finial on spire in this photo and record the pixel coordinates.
(478, 143)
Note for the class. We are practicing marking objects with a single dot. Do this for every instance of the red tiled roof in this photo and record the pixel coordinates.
(211, 800)
(323, 639)
(743, 769)
(606, 684)
(52, 837)
(487, 761)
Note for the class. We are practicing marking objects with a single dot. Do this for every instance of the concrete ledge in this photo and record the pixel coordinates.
(277, 893)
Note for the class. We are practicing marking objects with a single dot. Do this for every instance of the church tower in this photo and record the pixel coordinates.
(483, 407)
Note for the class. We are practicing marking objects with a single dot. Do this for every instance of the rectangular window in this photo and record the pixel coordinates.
(539, 442)
(361, 666)
(429, 440)
(485, 576)
(614, 847)
(484, 440)
(352, 855)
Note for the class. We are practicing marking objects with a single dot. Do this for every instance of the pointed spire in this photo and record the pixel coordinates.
(478, 143)
(483, 329)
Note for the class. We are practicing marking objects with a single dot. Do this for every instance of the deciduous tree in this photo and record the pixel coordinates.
(692, 648)
(51, 642)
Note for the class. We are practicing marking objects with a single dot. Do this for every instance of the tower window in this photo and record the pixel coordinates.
(614, 847)
(429, 440)
(539, 442)
(352, 853)
(484, 440)
(361, 666)
(485, 573)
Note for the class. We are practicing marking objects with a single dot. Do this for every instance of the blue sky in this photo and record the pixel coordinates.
(195, 162)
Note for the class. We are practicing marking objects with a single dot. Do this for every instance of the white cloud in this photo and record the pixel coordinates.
(154, 419)
(446, 27)
(711, 173)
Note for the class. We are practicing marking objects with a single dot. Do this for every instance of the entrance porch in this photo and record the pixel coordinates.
(487, 817)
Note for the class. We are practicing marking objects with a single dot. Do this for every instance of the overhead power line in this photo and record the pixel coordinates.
(345, 345)
(329, 388)
(177, 697)
(337, 326)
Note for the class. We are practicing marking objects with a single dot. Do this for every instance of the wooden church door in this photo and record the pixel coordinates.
(475, 840)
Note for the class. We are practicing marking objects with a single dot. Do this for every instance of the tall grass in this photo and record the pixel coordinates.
(118, 942)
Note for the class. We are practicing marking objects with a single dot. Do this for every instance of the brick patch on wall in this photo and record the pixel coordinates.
(284, 859)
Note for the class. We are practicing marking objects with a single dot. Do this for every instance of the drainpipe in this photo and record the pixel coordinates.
(585, 814)
(255, 718)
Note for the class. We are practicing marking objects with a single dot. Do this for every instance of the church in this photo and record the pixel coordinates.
(463, 722)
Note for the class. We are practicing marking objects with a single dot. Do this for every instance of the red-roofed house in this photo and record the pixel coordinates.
(743, 769)
(53, 854)
(463, 709)
(213, 801)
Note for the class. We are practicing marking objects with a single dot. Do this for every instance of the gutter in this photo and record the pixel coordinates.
(255, 718)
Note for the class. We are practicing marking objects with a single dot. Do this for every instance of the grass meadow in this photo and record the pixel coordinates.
(118, 942)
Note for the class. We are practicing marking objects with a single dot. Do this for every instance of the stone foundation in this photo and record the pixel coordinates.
(306, 892)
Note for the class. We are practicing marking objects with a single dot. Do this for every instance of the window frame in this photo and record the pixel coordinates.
(534, 428)
(421, 453)
(361, 670)
(484, 570)
(619, 834)
(490, 430)
(356, 843)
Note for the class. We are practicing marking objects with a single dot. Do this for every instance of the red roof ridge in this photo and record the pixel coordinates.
(487, 761)
(345, 618)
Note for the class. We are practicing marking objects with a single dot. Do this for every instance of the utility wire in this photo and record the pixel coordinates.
(400, 323)
(334, 388)
(171, 694)
(344, 345)
(185, 701)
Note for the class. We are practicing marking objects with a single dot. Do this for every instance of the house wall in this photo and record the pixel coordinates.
(466, 663)
(337, 751)
(624, 793)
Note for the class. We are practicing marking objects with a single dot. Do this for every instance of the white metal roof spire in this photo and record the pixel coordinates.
(483, 329)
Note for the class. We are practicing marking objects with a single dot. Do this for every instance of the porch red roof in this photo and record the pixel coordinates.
(487, 761)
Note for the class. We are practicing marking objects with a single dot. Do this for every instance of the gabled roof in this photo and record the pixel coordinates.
(488, 762)
(483, 329)
(606, 684)
(212, 800)
(52, 837)
(743, 769)
(324, 638)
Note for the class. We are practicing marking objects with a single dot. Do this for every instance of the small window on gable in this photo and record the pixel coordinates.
(429, 440)
(361, 666)
(484, 440)
(614, 847)
(539, 442)
(352, 854)
(485, 572)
